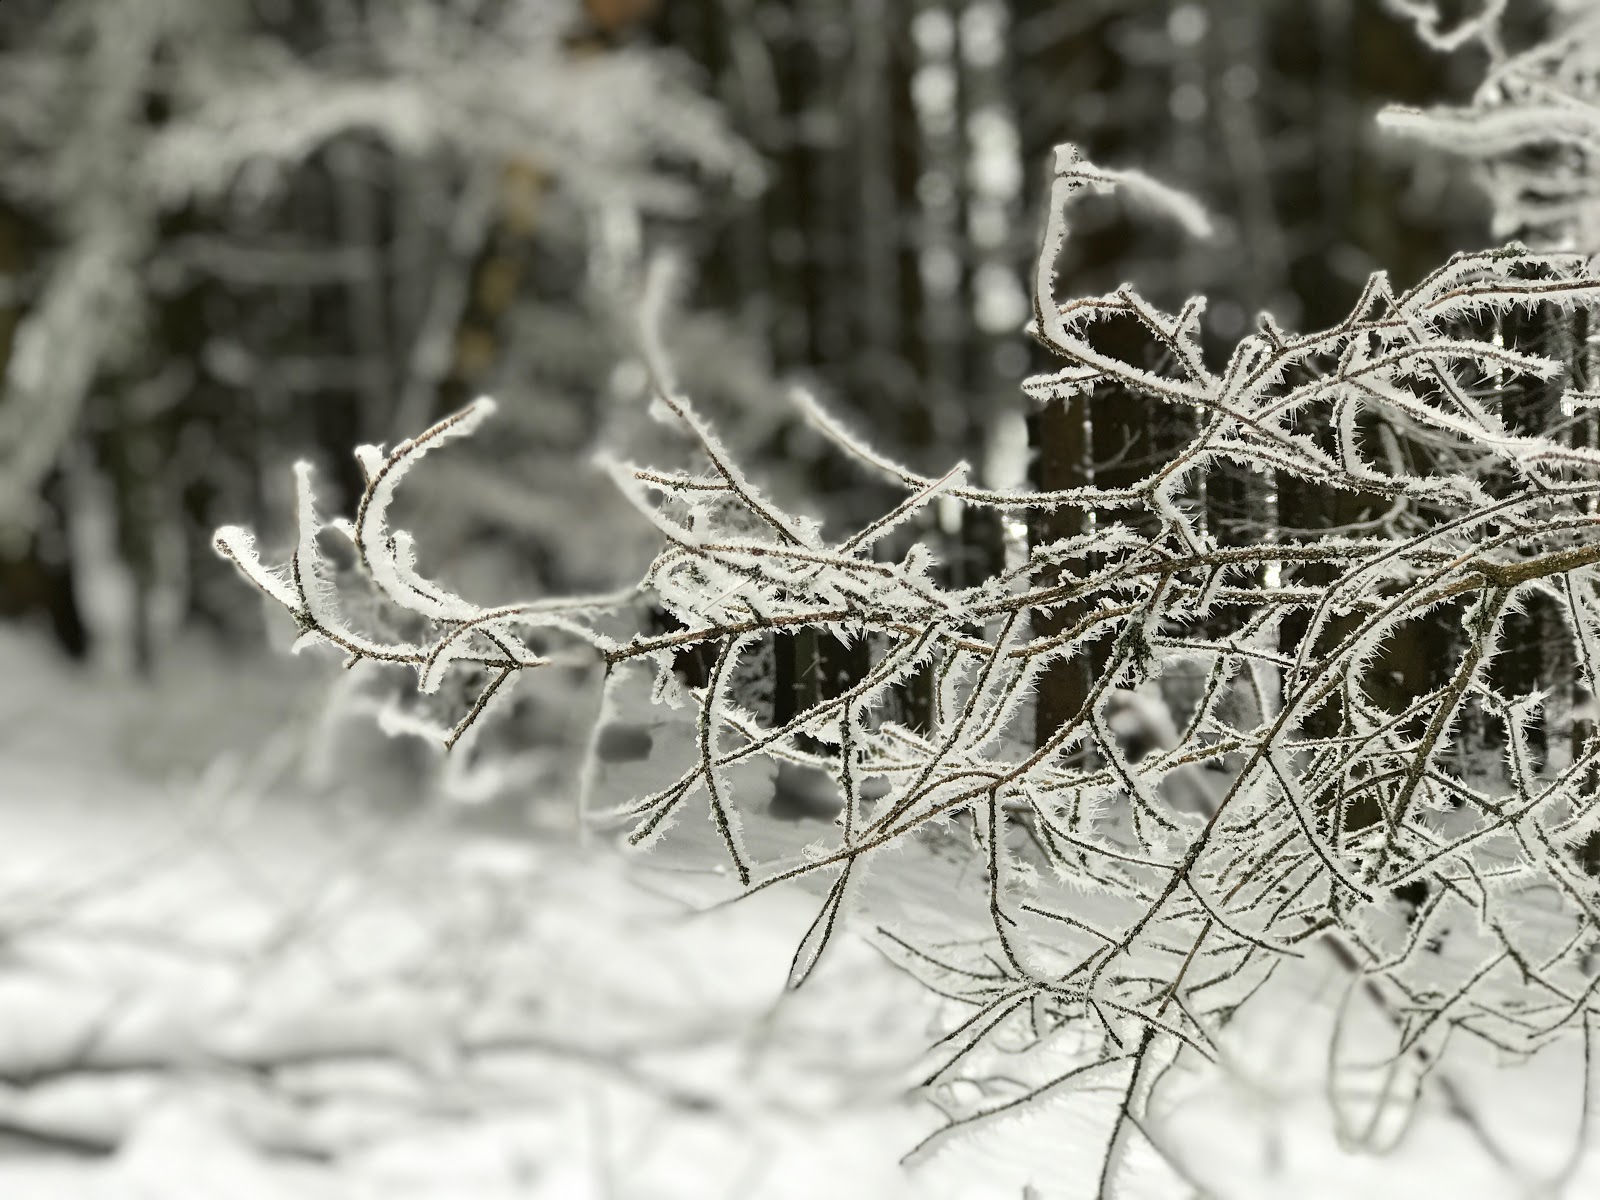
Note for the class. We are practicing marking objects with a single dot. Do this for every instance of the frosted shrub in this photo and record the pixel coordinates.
(1136, 903)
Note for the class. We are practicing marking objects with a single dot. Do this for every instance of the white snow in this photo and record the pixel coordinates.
(249, 989)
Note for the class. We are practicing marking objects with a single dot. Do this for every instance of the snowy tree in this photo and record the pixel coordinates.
(1529, 126)
(247, 219)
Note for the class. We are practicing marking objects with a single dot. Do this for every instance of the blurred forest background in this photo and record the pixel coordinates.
(235, 233)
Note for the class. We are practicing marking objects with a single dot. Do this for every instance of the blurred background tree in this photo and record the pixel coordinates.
(239, 232)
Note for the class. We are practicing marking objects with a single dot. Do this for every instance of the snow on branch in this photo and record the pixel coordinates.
(1137, 901)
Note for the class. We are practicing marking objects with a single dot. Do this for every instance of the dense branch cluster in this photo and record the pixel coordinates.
(1131, 921)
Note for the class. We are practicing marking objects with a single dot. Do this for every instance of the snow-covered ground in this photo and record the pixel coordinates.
(225, 975)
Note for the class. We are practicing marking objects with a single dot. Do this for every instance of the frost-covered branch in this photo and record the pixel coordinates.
(1136, 900)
